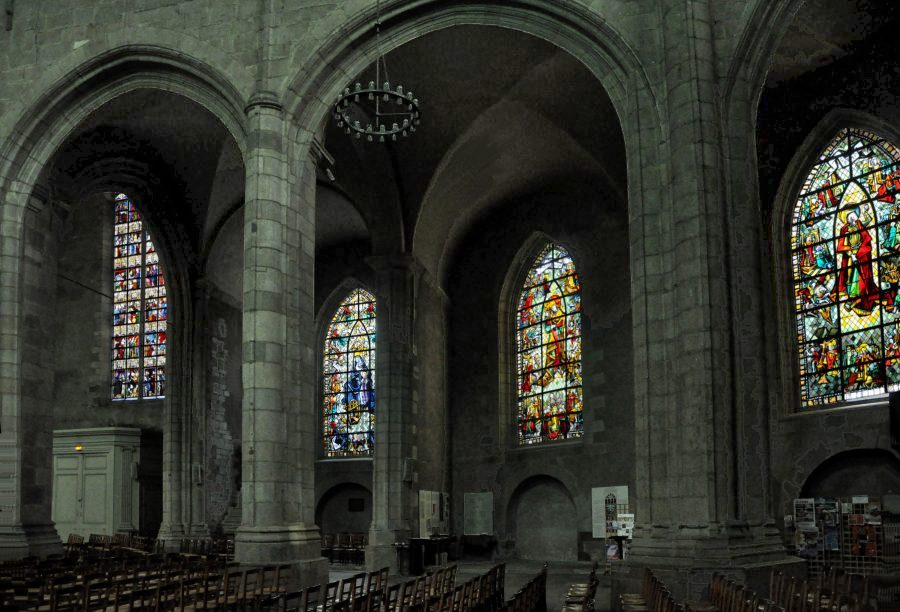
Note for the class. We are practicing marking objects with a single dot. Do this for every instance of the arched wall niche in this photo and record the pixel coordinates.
(539, 523)
(345, 508)
(863, 471)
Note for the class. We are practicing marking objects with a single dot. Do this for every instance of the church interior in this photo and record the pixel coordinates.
(411, 305)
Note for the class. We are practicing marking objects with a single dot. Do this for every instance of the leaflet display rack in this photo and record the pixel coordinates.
(854, 534)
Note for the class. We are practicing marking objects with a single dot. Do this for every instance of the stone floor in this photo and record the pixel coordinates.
(559, 575)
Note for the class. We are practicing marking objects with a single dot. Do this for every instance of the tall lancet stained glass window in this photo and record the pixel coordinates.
(845, 253)
(548, 334)
(139, 309)
(348, 377)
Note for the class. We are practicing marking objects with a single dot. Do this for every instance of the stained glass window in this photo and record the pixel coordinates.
(549, 350)
(139, 309)
(348, 377)
(846, 271)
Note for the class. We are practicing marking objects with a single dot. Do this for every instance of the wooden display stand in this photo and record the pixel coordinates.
(95, 487)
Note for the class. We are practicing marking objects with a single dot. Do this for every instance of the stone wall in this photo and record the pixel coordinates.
(83, 312)
(581, 216)
(223, 416)
(788, 115)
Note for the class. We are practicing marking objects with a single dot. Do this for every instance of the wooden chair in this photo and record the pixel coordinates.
(393, 598)
(311, 599)
(378, 579)
(331, 592)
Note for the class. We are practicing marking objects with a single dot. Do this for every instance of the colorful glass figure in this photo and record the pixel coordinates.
(139, 309)
(846, 271)
(548, 336)
(348, 378)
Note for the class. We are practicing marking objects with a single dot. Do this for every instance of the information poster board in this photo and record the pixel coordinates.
(478, 513)
(598, 507)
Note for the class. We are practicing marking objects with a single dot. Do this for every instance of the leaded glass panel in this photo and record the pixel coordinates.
(548, 356)
(845, 256)
(348, 378)
(139, 309)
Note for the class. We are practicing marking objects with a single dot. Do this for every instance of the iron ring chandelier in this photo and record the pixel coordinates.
(386, 113)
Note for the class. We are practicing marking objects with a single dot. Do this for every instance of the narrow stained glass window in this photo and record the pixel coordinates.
(348, 375)
(139, 309)
(549, 350)
(845, 254)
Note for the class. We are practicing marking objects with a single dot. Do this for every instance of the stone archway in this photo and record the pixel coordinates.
(38, 136)
(542, 520)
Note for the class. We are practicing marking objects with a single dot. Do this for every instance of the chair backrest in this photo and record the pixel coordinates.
(347, 588)
(359, 583)
(406, 592)
(311, 599)
(292, 602)
(374, 581)
(331, 592)
(392, 598)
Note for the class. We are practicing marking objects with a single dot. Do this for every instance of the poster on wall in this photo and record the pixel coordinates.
(625, 525)
(604, 513)
(478, 513)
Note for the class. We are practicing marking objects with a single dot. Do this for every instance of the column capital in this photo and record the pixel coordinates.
(263, 100)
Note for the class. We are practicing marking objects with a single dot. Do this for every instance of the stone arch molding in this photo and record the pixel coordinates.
(785, 199)
(576, 29)
(764, 31)
(52, 118)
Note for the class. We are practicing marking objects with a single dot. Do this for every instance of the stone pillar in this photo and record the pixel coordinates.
(176, 479)
(277, 523)
(26, 443)
(691, 507)
(394, 477)
(196, 429)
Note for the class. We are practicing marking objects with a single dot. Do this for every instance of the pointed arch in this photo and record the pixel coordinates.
(844, 249)
(547, 331)
(348, 377)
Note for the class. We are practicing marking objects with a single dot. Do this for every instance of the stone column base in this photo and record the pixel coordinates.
(297, 545)
(686, 560)
(381, 551)
(19, 541)
(170, 536)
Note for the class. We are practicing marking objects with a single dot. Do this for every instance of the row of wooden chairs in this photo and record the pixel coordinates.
(532, 597)
(655, 596)
(726, 595)
(174, 583)
(345, 548)
(580, 596)
(223, 547)
(369, 593)
(832, 592)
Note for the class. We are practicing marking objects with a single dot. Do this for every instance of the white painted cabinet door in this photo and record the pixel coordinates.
(81, 491)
